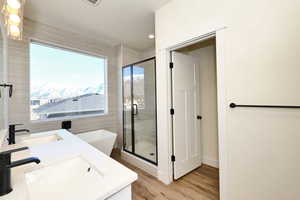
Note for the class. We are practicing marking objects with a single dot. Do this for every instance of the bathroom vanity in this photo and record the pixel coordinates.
(69, 169)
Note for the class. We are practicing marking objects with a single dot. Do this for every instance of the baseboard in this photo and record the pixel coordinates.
(164, 178)
(3, 135)
(210, 162)
(143, 165)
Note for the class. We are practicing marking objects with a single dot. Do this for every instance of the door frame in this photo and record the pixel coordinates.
(219, 35)
(132, 116)
(5, 75)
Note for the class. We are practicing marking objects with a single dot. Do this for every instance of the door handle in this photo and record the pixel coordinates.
(10, 90)
(199, 117)
(135, 109)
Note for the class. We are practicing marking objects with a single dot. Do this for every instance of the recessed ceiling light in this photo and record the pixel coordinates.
(151, 36)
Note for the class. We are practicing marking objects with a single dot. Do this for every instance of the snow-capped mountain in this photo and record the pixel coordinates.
(54, 92)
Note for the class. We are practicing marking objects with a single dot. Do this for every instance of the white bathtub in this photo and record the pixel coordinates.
(103, 140)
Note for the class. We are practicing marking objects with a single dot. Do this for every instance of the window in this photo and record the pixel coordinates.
(65, 83)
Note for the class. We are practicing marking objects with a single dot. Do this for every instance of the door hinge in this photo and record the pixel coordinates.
(171, 65)
(173, 158)
(172, 111)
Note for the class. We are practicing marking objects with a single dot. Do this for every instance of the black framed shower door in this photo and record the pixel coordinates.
(139, 109)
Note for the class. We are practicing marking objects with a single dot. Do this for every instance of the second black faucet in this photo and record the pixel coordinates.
(12, 133)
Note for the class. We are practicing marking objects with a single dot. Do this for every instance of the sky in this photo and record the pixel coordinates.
(64, 69)
(137, 70)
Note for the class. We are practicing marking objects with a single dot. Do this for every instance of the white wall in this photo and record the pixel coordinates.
(206, 57)
(260, 47)
(148, 53)
(18, 75)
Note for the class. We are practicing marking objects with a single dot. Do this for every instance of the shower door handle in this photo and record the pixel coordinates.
(135, 109)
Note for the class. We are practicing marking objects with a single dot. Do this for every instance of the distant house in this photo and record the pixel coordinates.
(35, 102)
(80, 105)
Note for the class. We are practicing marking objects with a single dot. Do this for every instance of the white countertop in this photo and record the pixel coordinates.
(115, 174)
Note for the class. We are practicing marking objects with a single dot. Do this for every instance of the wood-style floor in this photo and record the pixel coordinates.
(201, 184)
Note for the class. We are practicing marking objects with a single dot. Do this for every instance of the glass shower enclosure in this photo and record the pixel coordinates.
(139, 110)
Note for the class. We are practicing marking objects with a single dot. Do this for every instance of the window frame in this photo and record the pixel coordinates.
(74, 50)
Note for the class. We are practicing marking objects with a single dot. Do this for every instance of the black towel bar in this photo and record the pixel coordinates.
(10, 88)
(233, 105)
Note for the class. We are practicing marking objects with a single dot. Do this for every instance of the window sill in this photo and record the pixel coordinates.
(68, 118)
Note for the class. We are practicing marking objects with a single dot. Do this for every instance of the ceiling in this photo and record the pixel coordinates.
(126, 22)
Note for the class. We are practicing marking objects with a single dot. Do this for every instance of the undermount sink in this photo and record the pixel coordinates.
(74, 179)
(43, 139)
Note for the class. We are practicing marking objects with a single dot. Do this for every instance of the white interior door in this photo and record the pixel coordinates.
(186, 126)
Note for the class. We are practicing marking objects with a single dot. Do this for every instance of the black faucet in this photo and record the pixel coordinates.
(6, 165)
(12, 133)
